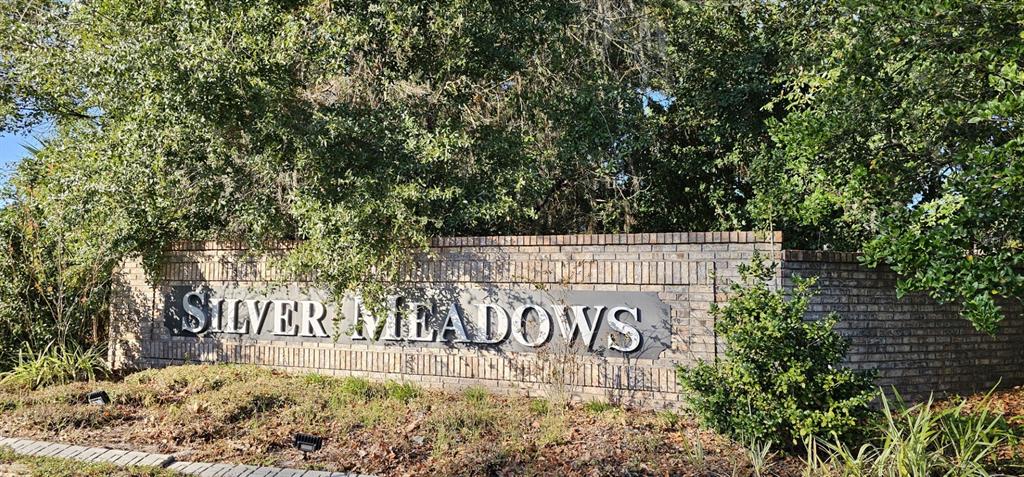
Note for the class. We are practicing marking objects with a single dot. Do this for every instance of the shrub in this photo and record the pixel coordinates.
(52, 291)
(56, 365)
(780, 379)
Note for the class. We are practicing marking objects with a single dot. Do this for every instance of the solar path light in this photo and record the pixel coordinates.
(98, 398)
(307, 443)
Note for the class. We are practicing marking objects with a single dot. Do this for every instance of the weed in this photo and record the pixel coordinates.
(254, 405)
(316, 379)
(694, 452)
(171, 385)
(380, 412)
(475, 394)
(135, 395)
(667, 420)
(455, 425)
(540, 406)
(403, 392)
(444, 440)
(646, 443)
(598, 407)
(553, 430)
(360, 388)
(72, 393)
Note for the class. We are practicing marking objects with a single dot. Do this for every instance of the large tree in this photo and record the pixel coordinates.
(903, 138)
(361, 128)
(708, 116)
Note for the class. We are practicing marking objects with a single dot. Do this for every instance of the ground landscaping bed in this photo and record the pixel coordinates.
(243, 414)
(248, 415)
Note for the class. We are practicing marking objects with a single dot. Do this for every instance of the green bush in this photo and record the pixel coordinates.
(780, 379)
(56, 365)
(51, 291)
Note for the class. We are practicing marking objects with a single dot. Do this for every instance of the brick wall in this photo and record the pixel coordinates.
(915, 344)
(683, 269)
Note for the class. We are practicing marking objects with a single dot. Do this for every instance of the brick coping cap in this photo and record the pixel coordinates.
(535, 240)
(820, 256)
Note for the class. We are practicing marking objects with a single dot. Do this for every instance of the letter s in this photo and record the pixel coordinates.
(195, 312)
(627, 330)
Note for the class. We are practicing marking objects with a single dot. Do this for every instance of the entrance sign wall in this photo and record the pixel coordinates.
(604, 317)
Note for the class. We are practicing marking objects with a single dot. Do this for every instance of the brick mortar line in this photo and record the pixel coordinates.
(662, 238)
(288, 368)
(125, 458)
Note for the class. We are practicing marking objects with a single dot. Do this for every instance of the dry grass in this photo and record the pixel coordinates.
(244, 414)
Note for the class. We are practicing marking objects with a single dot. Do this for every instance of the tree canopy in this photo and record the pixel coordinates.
(364, 128)
(902, 138)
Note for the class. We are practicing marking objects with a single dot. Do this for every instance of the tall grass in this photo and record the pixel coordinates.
(919, 441)
(56, 365)
(760, 456)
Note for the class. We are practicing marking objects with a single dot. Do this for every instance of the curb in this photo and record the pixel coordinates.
(119, 457)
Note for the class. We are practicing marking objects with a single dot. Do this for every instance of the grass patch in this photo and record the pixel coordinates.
(359, 388)
(366, 390)
(14, 464)
(475, 394)
(598, 407)
(553, 430)
(317, 379)
(403, 392)
(455, 426)
(540, 406)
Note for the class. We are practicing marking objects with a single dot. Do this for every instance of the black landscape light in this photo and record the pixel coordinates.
(98, 398)
(308, 443)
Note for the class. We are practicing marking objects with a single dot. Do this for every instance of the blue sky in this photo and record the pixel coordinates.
(11, 151)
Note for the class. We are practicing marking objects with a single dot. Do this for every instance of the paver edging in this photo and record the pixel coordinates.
(121, 457)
